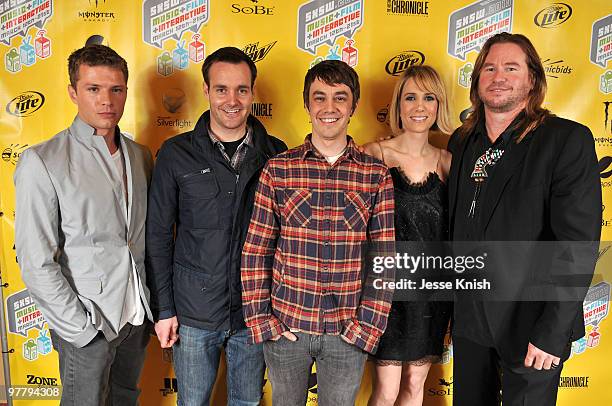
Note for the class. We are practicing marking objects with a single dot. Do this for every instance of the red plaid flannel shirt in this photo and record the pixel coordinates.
(301, 262)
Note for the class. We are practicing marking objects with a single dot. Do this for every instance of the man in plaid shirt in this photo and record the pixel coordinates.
(315, 206)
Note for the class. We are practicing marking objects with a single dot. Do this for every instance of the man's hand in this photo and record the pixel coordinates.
(538, 359)
(287, 334)
(166, 331)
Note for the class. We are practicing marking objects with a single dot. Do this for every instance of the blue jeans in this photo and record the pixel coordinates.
(196, 360)
(339, 369)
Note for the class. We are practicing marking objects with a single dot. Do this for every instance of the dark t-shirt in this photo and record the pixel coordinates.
(232, 146)
(468, 228)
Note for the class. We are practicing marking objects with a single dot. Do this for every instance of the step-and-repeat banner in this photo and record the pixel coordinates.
(165, 42)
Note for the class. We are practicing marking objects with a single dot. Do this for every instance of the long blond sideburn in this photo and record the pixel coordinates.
(427, 79)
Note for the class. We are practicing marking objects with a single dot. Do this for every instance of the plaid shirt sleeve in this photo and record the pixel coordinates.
(257, 262)
(365, 329)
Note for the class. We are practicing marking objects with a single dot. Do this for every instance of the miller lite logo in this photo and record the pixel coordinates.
(403, 61)
(26, 104)
(553, 15)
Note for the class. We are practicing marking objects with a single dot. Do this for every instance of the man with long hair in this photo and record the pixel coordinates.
(518, 174)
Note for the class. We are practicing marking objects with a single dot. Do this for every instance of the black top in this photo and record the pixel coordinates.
(232, 146)
(415, 329)
(470, 228)
(545, 188)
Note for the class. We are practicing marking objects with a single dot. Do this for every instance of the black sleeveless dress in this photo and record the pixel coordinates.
(415, 330)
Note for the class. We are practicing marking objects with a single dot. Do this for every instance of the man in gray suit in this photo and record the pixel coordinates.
(80, 234)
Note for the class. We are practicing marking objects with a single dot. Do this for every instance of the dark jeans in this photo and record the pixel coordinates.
(479, 375)
(103, 373)
(339, 369)
(196, 361)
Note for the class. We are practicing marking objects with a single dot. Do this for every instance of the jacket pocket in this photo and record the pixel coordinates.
(87, 286)
(356, 210)
(193, 292)
(198, 206)
(297, 209)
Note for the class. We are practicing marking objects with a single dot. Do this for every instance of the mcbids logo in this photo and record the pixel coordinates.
(553, 15)
(26, 104)
(401, 62)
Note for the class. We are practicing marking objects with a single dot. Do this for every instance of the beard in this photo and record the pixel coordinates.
(508, 103)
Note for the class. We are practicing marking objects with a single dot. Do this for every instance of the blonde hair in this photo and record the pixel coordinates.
(427, 79)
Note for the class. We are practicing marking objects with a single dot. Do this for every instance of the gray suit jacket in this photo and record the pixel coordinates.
(74, 244)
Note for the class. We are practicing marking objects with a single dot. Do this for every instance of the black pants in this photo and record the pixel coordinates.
(481, 378)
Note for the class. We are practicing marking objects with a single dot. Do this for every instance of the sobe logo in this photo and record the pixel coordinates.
(553, 15)
(25, 104)
(12, 153)
(444, 388)
(399, 63)
(256, 9)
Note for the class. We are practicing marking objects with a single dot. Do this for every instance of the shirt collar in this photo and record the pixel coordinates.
(308, 149)
(248, 139)
(86, 132)
(507, 136)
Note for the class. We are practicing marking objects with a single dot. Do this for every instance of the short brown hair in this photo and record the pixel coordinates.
(535, 114)
(333, 72)
(231, 55)
(428, 80)
(94, 55)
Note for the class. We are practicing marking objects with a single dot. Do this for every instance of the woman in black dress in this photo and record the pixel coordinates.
(415, 331)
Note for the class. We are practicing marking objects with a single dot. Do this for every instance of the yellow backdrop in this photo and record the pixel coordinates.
(165, 42)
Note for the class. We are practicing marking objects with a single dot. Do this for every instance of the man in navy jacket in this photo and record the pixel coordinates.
(200, 204)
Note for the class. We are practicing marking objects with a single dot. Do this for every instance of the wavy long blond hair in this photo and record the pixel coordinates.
(428, 80)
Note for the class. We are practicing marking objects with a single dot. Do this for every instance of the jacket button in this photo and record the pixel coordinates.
(203, 289)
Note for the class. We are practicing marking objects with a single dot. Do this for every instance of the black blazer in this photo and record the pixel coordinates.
(546, 188)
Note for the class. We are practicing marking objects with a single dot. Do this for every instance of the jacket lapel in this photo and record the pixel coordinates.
(453, 178)
(84, 133)
(128, 156)
(506, 168)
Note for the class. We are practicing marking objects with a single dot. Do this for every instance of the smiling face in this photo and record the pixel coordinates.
(230, 96)
(100, 96)
(330, 109)
(504, 83)
(418, 108)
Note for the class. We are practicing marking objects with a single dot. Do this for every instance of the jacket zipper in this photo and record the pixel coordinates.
(200, 172)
